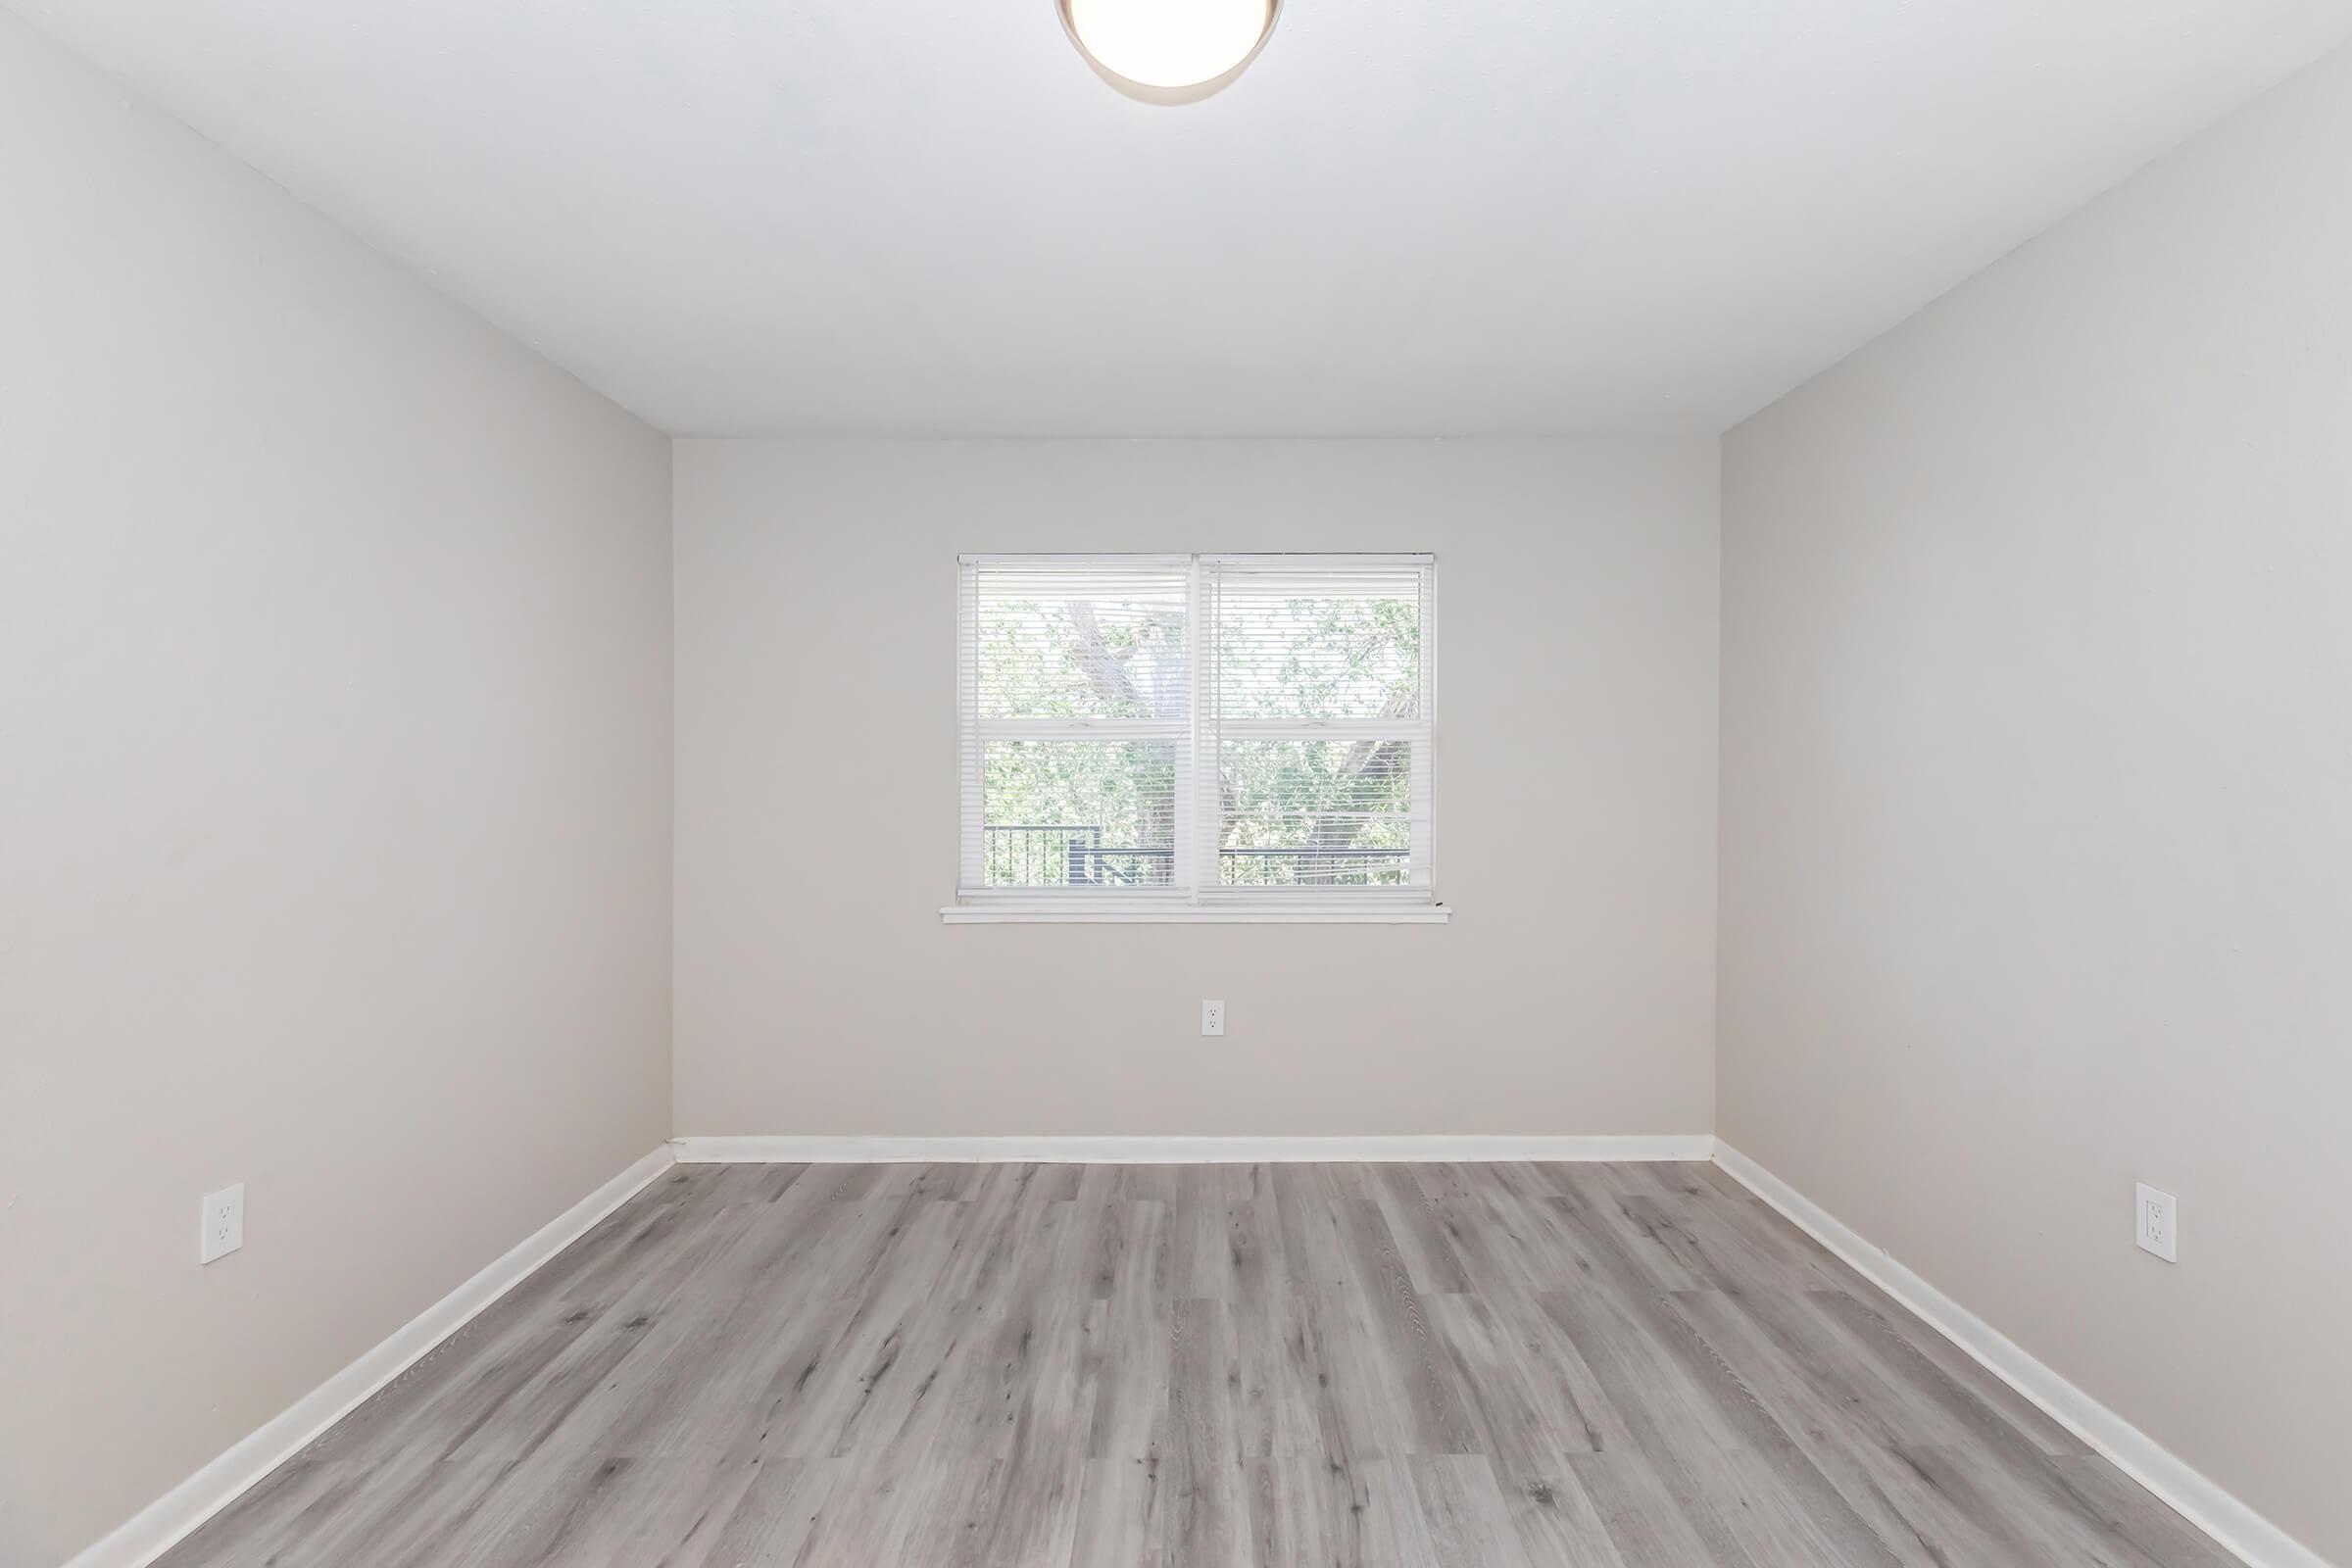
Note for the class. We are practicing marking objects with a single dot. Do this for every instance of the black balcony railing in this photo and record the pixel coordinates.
(1040, 854)
(1319, 868)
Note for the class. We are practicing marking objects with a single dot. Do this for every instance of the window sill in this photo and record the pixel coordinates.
(1192, 915)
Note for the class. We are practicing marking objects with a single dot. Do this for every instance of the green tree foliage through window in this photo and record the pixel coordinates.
(1291, 811)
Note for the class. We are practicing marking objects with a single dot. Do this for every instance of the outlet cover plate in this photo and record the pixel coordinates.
(2158, 1227)
(224, 1225)
(1212, 1018)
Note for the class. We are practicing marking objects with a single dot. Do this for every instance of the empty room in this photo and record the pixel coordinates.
(1175, 784)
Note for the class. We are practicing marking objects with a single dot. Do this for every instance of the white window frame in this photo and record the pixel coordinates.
(1199, 896)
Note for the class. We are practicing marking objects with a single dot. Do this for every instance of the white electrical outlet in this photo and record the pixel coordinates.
(2159, 1228)
(1212, 1018)
(224, 1223)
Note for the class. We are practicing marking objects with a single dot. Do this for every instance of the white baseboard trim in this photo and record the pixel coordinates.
(2187, 1491)
(1466, 1147)
(162, 1524)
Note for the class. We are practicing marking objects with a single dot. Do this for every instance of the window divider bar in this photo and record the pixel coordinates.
(1202, 818)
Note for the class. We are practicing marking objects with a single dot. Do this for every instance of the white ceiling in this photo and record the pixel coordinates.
(1426, 217)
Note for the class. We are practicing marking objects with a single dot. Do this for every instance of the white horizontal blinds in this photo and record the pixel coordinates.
(1077, 724)
(1318, 715)
(1242, 728)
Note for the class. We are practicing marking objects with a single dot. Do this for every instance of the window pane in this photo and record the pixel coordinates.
(1316, 813)
(1050, 648)
(1319, 648)
(1078, 814)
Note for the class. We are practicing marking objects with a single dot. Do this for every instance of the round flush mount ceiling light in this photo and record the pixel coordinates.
(1169, 51)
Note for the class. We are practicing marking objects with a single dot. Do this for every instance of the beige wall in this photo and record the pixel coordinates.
(817, 991)
(2037, 799)
(334, 807)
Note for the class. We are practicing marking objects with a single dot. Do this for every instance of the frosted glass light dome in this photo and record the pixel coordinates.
(1169, 43)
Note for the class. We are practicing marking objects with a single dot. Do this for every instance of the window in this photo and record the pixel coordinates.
(1196, 737)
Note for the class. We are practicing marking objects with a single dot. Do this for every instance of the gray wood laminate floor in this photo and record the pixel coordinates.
(1505, 1366)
